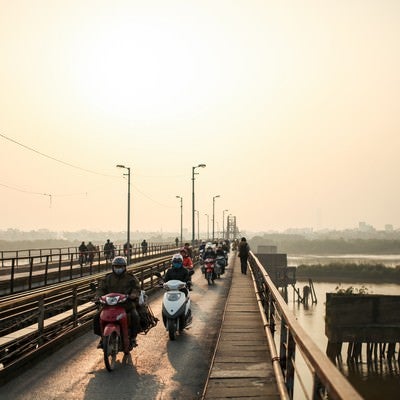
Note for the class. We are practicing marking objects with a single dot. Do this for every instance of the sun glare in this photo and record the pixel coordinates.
(140, 69)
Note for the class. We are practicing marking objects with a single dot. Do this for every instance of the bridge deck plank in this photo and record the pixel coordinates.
(242, 365)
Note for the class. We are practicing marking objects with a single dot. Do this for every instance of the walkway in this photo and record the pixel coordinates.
(242, 367)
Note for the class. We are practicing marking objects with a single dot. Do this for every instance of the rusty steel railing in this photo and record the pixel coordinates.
(289, 340)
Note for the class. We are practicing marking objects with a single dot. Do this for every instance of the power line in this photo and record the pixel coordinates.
(53, 158)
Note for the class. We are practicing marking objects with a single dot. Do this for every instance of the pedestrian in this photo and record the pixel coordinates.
(144, 247)
(176, 242)
(244, 250)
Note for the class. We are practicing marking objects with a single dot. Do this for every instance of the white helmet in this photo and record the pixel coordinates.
(177, 261)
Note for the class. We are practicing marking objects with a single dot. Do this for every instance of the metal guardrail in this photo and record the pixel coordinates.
(23, 256)
(285, 333)
(33, 323)
(41, 269)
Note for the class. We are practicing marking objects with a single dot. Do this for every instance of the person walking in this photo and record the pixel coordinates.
(244, 250)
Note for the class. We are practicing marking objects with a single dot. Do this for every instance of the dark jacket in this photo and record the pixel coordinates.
(244, 249)
(180, 274)
(113, 283)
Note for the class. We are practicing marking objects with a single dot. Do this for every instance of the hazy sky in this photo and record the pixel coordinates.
(294, 106)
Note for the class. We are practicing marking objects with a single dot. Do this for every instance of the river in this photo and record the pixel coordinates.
(376, 382)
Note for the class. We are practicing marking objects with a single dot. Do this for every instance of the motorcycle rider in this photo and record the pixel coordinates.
(221, 252)
(121, 281)
(177, 271)
(209, 252)
(188, 264)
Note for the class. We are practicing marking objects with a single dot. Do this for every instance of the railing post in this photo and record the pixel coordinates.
(46, 270)
(30, 272)
(40, 320)
(59, 267)
(12, 275)
(290, 357)
(75, 307)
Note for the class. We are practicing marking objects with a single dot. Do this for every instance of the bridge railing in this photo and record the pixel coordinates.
(22, 257)
(312, 372)
(27, 269)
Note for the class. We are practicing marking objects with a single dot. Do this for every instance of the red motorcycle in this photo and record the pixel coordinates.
(209, 273)
(114, 327)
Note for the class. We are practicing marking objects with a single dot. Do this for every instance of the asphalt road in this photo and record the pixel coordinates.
(159, 369)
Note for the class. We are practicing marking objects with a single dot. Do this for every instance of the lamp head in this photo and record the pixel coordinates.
(120, 166)
(201, 165)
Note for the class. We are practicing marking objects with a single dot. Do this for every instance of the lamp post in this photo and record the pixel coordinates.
(181, 198)
(198, 225)
(208, 226)
(128, 241)
(213, 216)
(193, 208)
(223, 224)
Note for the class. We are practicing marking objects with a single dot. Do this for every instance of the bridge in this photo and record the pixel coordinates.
(253, 354)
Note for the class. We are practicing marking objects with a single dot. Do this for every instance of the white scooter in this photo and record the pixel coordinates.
(176, 310)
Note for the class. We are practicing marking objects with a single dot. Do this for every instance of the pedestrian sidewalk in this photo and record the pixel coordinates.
(241, 367)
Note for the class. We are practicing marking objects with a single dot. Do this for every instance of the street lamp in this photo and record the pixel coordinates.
(223, 224)
(213, 217)
(128, 242)
(193, 208)
(181, 198)
(198, 224)
(208, 226)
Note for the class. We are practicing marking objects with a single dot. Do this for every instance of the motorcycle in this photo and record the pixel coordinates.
(220, 264)
(176, 306)
(209, 273)
(114, 327)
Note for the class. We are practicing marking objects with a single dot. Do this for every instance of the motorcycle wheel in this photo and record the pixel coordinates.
(172, 329)
(110, 350)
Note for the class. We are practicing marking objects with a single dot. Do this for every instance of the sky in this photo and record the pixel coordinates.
(294, 107)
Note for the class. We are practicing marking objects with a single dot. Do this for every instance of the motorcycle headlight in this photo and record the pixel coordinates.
(112, 300)
(174, 296)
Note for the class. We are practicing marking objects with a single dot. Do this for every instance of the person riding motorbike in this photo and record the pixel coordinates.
(222, 253)
(121, 281)
(188, 264)
(177, 271)
(209, 252)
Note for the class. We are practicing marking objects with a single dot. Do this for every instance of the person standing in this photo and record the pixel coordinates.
(144, 247)
(244, 250)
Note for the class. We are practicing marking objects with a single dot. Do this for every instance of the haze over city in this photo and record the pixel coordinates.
(293, 107)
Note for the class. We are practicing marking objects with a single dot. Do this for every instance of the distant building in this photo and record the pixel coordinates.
(388, 228)
(364, 227)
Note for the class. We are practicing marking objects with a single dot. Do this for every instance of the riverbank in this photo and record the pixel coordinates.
(349, 272)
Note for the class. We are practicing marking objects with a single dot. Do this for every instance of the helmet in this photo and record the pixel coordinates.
(209, 244)
(177, 261)
(119, 265)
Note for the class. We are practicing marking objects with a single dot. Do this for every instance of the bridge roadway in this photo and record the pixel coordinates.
(161, 369)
